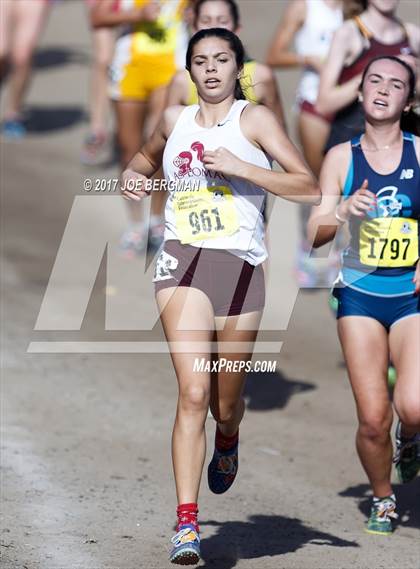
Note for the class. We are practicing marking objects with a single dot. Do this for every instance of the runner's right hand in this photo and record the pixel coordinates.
(358, 204)
(133, 185)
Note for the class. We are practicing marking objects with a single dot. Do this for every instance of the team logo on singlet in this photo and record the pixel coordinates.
(388, 204)
(183, 163)
(184, 159)
(187, 160)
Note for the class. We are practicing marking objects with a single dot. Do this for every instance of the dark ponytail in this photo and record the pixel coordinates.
(238, 93)
(235, 45)
(354, 8)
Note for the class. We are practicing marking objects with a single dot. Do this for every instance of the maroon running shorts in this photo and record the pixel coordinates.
(307, 107)
(232, 285)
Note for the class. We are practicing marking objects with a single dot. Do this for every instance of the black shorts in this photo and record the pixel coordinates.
(232, 285)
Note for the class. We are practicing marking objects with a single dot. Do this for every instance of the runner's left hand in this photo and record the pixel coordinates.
(222, 160)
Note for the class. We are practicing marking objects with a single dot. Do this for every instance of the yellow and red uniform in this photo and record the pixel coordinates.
(148, 54)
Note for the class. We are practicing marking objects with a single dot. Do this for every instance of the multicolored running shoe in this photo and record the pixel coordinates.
(222, 469)
(93, 147)
(407, 456)
(305, 270)
(133, 243)
(381, 516)
(186, 546)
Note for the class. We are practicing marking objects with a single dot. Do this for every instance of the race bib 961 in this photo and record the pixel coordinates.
(205, 214)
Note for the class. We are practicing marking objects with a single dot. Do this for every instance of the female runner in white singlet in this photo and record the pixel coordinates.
(310, 24)
(209, 277)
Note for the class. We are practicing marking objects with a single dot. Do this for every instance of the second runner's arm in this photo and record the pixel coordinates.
(331, 96)
(268, 93)
(279, 53)
(323, 224)
(333, 211)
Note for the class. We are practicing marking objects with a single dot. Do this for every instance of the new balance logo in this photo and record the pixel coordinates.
(407, 174)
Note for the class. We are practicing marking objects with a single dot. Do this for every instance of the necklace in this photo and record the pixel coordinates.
(377, 148)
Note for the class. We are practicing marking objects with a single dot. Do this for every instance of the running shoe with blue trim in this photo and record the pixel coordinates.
(186, 546)
(381, 515)
(407, 456)
(222, 469)
(13, 128)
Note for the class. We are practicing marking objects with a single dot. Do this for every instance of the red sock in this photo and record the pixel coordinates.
(225, 443)
(187, 514)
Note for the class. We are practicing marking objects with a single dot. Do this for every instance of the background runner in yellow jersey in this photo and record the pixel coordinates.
(150, 48)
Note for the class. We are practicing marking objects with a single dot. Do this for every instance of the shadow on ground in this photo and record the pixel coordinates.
(267, 391)
(48, 57)
(258, 537)
(408, 500)
(47, 119)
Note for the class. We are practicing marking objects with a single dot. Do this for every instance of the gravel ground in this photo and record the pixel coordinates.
(87, 479)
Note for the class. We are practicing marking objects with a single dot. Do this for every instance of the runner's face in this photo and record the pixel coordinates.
(215, 14)
(385, 90)
(214, 69)
(385, 6)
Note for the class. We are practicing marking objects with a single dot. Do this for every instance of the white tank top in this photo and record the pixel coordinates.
(314, 38)
(182, 164)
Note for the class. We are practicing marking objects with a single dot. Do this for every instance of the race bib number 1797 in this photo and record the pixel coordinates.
(389, 242)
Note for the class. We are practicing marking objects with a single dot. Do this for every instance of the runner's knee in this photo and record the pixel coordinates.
(22, 57)
(225, 411)
(408, 410)
(194, 398)
(376, 426)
